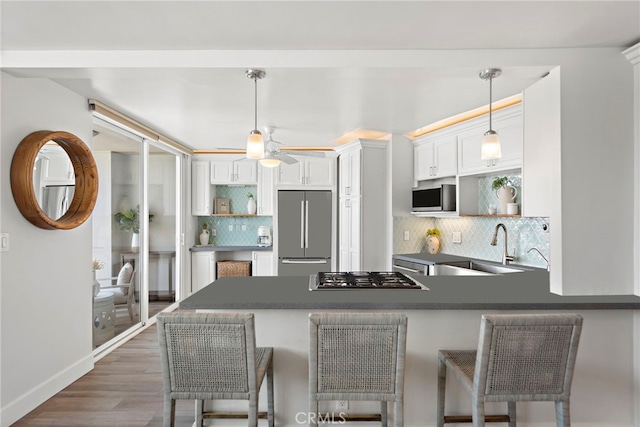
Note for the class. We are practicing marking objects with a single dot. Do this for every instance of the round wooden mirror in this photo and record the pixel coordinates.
(25, 192)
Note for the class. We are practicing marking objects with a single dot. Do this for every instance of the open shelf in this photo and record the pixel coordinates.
(491, 216)
(240, 214)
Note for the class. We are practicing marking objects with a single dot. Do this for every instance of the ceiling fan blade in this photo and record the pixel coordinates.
(285, 158)
(306, 153)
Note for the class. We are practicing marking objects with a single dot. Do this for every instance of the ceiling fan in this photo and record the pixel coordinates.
(272, 154)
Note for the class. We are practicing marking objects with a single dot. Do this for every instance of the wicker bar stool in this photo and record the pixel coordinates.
(519, 358)
(357, 357)
(208, 356)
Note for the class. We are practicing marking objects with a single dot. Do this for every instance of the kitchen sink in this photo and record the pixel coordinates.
(471, 268)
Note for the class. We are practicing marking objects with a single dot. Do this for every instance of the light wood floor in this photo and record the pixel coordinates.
(124, 389)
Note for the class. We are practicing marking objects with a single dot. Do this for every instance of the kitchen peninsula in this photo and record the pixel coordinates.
(445, 316)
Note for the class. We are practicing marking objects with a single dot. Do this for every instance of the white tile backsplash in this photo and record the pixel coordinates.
(476, 234)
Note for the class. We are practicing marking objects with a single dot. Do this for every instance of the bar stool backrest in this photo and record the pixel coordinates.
(206, 354)
(526, 357)
(360, 354)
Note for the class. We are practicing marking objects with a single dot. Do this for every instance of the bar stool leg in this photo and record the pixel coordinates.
(562, 414)
(477, 413)
(398, 413)
(199, 412)
(442, 382)
(270, 409)
(313, 413)
(383, 413)
(511, 411)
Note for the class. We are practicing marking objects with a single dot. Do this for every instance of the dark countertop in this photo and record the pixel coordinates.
(210, 248)
(515, 291)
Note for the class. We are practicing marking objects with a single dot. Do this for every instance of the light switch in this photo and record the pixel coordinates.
(456, 237)
(4, 242)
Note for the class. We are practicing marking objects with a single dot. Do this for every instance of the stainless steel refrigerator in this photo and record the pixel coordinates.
(304, 232)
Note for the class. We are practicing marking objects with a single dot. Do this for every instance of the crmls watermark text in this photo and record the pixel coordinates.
(328, 417)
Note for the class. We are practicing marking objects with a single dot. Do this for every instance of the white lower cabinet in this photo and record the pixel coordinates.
(262, 263)
(203, 269)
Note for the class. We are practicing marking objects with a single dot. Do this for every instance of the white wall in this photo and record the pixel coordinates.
(46, 279)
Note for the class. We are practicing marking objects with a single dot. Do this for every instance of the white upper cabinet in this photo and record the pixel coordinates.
(234, 171)
(435, 157)
(508, 124)
(350, 164)
(318, 172)
(56, 165)
(200, 189)
(541, 137)
(266, 190)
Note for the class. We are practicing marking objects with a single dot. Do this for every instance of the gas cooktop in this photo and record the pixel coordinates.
(363, 280)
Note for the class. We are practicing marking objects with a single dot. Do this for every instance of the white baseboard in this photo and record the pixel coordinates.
(26, 403)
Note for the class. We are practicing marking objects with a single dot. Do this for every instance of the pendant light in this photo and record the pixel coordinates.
(255, 143)
(490, 148)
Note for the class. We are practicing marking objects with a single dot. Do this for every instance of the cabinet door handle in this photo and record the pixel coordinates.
(301, 224)
(347, 203)
(347, 191)
(435, 170)
(306, 225)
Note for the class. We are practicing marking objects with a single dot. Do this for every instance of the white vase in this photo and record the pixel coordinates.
(433, 244)
(251, 206)
(204, 237)
(96, 285)
(506, 194)
(135, 243)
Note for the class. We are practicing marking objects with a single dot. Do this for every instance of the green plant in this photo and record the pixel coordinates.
(433, 232)
(249, 195)
(129, 220)
(499, 182)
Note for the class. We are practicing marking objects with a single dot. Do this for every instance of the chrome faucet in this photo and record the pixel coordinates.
(543, 257)
(506, 258)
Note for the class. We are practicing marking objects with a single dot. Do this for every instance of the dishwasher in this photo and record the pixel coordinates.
(410, 267)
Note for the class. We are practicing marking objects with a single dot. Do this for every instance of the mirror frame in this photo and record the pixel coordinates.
(86, 180)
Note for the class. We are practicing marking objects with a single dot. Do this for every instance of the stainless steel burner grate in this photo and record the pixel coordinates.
(363, 280)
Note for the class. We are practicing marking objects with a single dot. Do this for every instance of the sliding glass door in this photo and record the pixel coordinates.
(136, 225)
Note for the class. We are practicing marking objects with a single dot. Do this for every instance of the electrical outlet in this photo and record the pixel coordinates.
(4, 242)
(244, 227)
(230, 227)
(406, 234)
(213, 232)
(342, 405)
(456, 237)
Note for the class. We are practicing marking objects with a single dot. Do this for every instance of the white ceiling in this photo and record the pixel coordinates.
(180, 66)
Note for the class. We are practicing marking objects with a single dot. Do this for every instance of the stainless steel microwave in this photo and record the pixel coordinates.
(437, 199)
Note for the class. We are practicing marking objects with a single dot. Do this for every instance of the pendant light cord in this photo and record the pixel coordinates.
(255, 99)
(490, 100)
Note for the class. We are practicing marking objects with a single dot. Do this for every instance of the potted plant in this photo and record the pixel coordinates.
(505, 192)
(129, 220)
(251, 204)
(433, 240)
